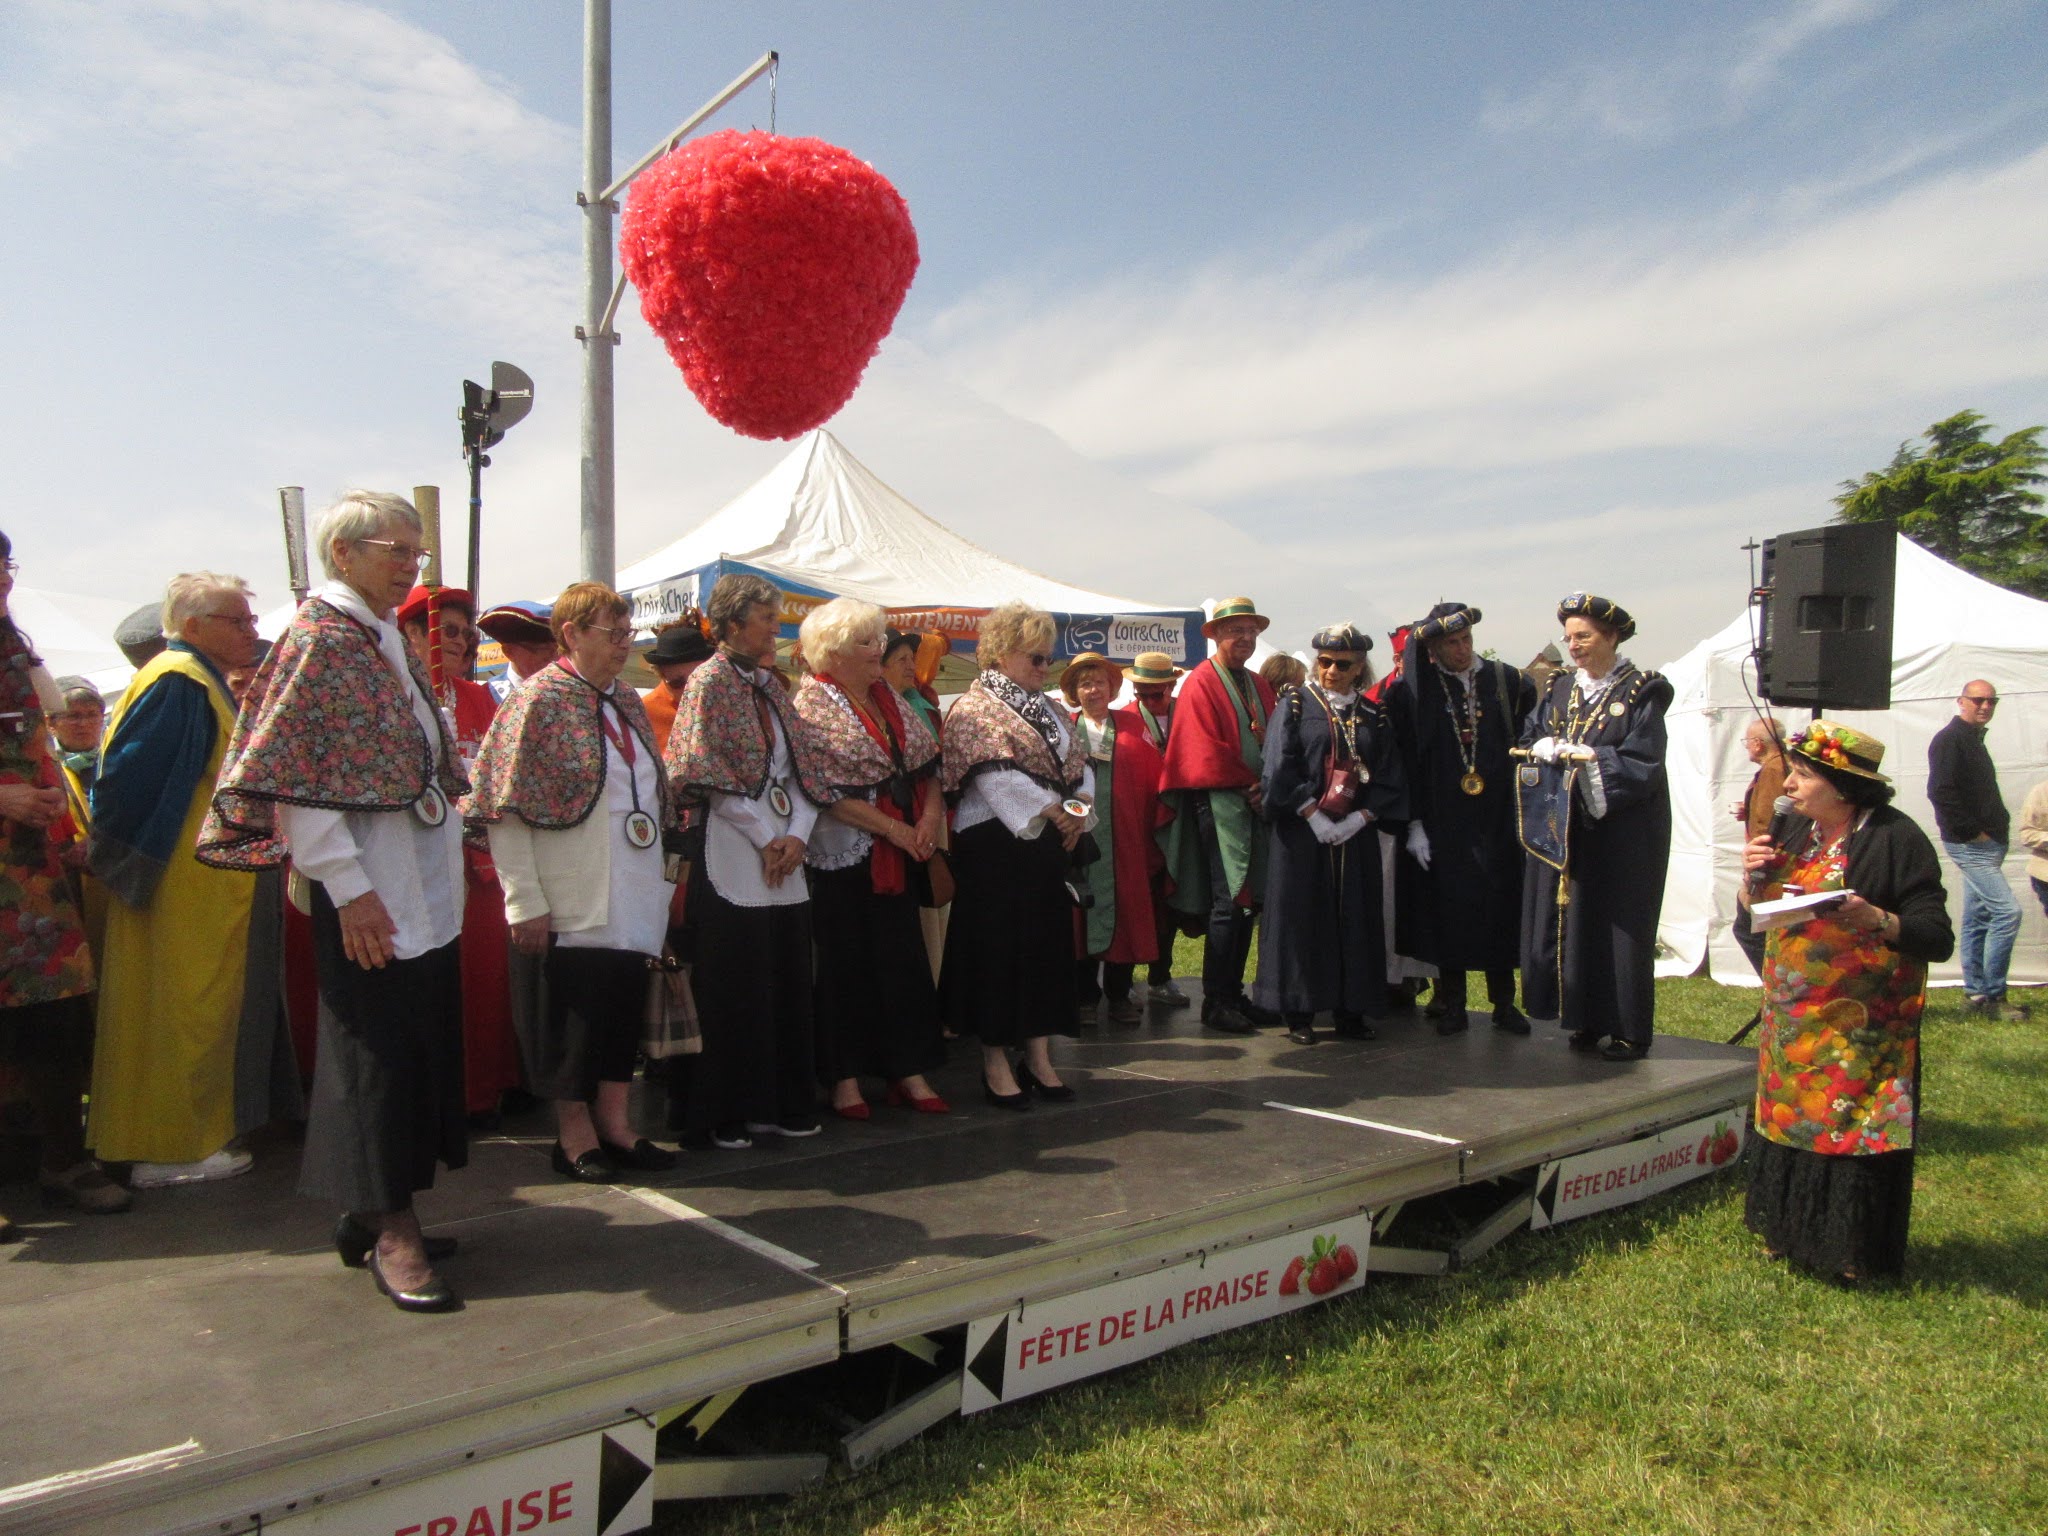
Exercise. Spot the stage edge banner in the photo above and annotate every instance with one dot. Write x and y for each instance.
(1634, 1170)
(1044, 1344)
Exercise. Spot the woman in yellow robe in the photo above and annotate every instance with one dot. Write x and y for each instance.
(177, 930)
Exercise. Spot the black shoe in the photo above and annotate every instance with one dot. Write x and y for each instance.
(1227, 1019)
(591, 1167)
(1046, 1091)
(1301, 1034)
(1349, 1026)
(434, 1296)
(1510, 1018)
(353, 1242)
(642, 1157)
(1447, 1024)
(1021, 1099)
(1584, 1040)
(1623, 1050)
(1126, 1011)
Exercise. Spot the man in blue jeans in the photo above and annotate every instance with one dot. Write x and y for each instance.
(1975, 829)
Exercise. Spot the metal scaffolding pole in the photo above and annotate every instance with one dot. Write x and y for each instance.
(600, 558)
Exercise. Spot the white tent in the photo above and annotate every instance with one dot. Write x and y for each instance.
(1948, 627)
(74, 634)
(820, 519)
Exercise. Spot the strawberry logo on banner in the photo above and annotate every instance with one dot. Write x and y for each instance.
(771, 268)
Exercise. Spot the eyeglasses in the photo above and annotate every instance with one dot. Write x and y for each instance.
(239, 620)
(455, 629)
(1336, 663)
(80, 716)
(618, 634)
(404, 554)
(12, 566)
(1038, 659)
(1989, 703)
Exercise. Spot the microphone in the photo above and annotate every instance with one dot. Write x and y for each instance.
(1781, 820)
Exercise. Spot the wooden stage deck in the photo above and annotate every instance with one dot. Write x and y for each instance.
(204, 1360)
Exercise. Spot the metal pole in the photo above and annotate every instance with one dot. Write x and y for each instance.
(600, 561)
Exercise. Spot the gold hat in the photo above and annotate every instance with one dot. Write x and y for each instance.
(1152, 667)
(1070, 679)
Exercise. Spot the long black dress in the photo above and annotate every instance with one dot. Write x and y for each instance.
(1463, 913)
(1322, 939)
(1590, 962)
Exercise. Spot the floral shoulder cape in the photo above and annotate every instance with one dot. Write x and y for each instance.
(717, 745)
(850, 759)
(325, 724)
(543, 758)
(984, 732)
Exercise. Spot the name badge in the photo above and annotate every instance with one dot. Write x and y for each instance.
(431, 807)
(640, 830)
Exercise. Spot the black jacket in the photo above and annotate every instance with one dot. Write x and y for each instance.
(1892, 865)
(1963, 785)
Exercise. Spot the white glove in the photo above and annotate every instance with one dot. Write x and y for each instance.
(1349, 827)
(1544, 750)
(1418, 843)
(1324, 829)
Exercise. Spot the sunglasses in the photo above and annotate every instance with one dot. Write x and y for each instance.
(1336, 663)
(1038, 659)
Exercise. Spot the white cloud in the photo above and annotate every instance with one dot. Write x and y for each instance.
(378, 134)
(1232, 385)
(1775, 40)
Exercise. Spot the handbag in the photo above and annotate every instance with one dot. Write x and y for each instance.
(669, 1026)
(1341, 785)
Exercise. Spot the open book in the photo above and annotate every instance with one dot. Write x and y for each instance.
(1794, 909)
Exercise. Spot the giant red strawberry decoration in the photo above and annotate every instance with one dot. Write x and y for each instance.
(771, 268)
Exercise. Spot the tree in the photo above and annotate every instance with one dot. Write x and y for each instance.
(1969, 500)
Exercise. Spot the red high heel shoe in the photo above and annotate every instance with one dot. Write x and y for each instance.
(934, 1105)
(858, 1110)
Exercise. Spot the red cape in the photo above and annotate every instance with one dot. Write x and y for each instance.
(1202, 749)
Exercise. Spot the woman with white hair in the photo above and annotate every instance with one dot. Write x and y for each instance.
(341, 761)
(175, 957)
(877, 1013)
(1020, 782)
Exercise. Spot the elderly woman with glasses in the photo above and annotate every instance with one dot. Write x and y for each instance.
(578, 809)
(175, 959)
(1331, 772)
(1022, 790)
(877, 1012)
(342, 762)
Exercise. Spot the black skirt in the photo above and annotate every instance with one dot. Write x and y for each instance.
(1008, 974)
(877, 1011)
(752, 982)
(590, 1026)
(387, 1101)
(1832, 1215)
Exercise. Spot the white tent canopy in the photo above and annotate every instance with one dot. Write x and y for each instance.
(822, 519)
(1948, 627)
(74, 634)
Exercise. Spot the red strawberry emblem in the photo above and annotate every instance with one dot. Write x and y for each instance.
(1290, 1280)
(1347, 1260)
(1706, 1146)
(1324, 1278)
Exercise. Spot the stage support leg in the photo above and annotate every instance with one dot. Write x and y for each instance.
(1509, 1218)
(907, 1420)
(727, 1477)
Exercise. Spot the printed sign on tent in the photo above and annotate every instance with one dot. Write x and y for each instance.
(1122, 636)
(1634, 1170)
(664, 601)
(1050, 1343)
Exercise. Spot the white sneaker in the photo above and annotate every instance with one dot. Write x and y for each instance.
(224, 1164)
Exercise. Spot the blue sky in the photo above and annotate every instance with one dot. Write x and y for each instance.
(1354, 306)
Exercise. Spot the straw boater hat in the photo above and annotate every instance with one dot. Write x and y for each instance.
(1080, 666)
(1153, 667)
(1842, 748)
(1601, 610)
(1235, 608)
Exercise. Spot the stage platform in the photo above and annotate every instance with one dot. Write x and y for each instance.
(204, 1363)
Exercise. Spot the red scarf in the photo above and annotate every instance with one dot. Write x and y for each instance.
(886, 864)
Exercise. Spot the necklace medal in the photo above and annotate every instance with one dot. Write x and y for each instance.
(431, 807)
(640, 830)
(778, 799)
(1472, 783)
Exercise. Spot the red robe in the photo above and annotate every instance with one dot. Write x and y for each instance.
(1202, 750)
(1136, 814)
(490, 1051)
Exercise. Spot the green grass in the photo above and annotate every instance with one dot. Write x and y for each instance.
(1641, 1371)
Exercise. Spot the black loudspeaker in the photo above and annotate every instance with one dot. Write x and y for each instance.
(1827, 617)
